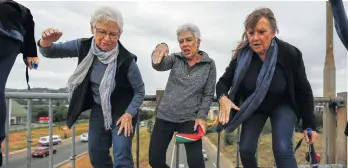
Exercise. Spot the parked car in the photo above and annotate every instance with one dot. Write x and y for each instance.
(45, 141)
(205, 155)
(42, 152)
(84, 137)
(181, 166)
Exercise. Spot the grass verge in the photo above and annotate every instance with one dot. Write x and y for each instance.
(18, 140)
(265, 153)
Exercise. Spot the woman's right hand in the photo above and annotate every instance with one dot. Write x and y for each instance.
(161, 51)
(225, 109)
(49, 36)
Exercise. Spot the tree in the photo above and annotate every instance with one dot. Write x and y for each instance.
(60, 113)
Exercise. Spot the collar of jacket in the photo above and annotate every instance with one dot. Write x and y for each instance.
(205, 56)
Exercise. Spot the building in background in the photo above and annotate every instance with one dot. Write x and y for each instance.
(17, 112)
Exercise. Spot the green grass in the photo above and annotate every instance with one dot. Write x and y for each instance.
(265, 154)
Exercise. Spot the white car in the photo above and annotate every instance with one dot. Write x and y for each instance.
(45, 141)
(181, 166)
(84, 137)
(205, 155)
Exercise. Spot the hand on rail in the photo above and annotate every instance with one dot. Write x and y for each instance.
(33, 61)
(126, 124)
(313, 138)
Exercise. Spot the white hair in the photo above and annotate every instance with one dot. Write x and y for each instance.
(189, 27)
(106, 13)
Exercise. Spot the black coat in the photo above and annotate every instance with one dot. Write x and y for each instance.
(14, 16)
(121, 97)
(299, 88)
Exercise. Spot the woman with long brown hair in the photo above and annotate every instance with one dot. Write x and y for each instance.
(265, 78)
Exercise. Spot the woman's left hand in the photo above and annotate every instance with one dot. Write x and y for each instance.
(126, 124)
(314, 137)
(30, 60)
(201, 123)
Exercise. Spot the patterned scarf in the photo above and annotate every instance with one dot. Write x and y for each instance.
(108, 82)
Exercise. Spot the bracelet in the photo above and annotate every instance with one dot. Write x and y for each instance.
(222, 96)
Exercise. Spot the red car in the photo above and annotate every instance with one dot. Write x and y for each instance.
(42, 152)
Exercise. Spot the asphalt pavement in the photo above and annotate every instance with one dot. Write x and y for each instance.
(63, 153)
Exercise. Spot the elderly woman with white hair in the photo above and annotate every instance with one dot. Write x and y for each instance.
(107, 81)
(187, 97)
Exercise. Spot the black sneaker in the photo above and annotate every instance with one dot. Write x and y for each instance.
(0, 159)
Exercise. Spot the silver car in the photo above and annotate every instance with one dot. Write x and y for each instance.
(84, 137)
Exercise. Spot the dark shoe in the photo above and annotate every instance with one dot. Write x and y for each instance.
(0, 159)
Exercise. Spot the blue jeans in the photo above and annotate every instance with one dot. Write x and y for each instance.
(101, 140)
(282, 121)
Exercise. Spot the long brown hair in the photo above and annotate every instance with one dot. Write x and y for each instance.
(251, 21)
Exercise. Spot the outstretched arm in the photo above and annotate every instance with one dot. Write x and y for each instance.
(60, 50)
(209, 90)
(160, 59)
(29, 46)
(304, 94)
(136, 80)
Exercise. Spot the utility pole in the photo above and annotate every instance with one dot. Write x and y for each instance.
(329, 90)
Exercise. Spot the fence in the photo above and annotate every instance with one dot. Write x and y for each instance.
(334, 124)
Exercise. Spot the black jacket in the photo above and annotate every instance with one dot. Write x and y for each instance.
(299, 88)
(14, 16)
(82, 98)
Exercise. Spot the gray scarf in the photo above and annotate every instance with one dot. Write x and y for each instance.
(108, 82)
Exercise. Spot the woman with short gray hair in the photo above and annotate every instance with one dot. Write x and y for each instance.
(187, 97)
(107, 81)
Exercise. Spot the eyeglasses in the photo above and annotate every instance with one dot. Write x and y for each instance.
(104, 33)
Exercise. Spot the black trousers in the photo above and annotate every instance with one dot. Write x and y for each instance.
(162, 135)
(9, 49)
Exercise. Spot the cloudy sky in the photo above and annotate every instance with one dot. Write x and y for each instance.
(149, 23)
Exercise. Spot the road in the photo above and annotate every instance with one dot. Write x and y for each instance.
(210, 163)
(63, 153)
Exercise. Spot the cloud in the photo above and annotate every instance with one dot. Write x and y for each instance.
(149, 23)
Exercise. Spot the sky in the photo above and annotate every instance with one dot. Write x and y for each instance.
(302, 24)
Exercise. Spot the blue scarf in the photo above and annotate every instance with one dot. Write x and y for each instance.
(263, 82)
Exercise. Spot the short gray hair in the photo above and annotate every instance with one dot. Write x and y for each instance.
(106, 13)
(189, 27)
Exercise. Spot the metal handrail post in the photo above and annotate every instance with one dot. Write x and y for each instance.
(29, 114)
(50, 115)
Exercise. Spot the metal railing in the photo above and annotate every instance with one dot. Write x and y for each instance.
(50, 96)
(29, 97)
(330, 104)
